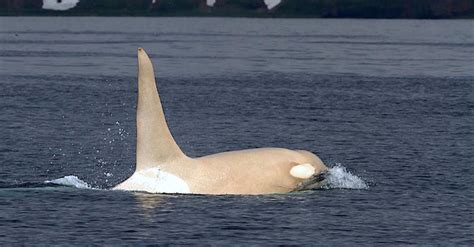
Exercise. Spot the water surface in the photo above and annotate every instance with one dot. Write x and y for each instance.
(390, 100)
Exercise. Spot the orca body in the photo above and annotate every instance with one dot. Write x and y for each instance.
(161, 166)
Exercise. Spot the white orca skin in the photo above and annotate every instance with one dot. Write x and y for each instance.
(161, 166)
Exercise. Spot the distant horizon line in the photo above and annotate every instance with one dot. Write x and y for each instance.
(249, 17)
(356, 9)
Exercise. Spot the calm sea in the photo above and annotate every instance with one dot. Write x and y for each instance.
(388, 104)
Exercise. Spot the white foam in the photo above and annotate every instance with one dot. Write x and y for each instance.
(340, 178)
(71, 181)
(154, 180)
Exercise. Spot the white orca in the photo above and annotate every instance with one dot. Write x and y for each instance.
(161, 166)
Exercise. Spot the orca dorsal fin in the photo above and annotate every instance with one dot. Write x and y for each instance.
(155, 144)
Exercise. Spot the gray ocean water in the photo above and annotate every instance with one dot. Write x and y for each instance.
(388, 104)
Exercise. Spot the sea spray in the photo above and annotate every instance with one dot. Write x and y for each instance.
(338, 177)
(71, 181)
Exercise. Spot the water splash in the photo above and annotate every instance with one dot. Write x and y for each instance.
(71, 181)
(340, 178)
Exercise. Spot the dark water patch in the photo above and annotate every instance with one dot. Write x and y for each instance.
(28, 185)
